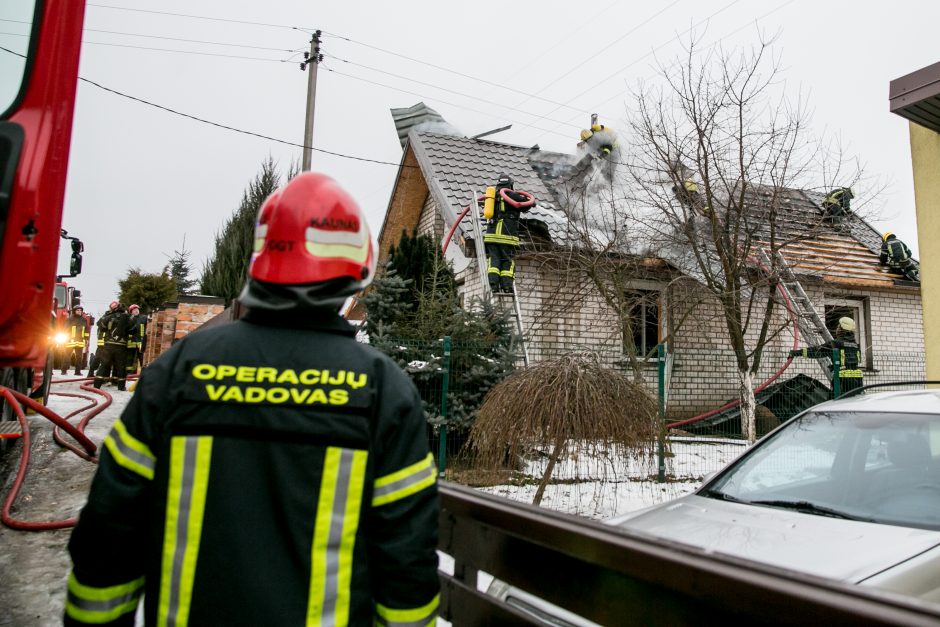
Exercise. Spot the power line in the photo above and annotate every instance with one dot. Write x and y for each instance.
(192, 41)
(195, 52)
(457, 93)
(433, 99)
(195, 17)
(445, 69)
(223, 126)
(607, 47)
(651, 52)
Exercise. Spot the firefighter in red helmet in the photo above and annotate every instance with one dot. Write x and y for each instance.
(270, 471)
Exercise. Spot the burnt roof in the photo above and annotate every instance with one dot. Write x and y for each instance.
(458, 168)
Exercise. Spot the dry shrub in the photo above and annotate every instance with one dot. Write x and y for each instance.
(557, 402)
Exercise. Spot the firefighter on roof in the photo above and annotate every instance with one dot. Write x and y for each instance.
(502, 232)
(896, 255)
(837, 204)
(273, 470)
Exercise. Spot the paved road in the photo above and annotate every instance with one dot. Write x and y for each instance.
(34, 566)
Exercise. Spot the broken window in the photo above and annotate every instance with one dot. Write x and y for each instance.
(644, 317)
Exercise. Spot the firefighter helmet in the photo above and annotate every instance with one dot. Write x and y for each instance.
(114, 305)
(134, 306)
(884, 238)
(78, 308)
(504, 181)
(311, 231)
(846, 323)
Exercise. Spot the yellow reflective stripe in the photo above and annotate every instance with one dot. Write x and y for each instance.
(93, 605)
(190, 463)
(423, 615)
(321, 536)
(404, 482)
(334, 536)
(357, 480)
(130, 452)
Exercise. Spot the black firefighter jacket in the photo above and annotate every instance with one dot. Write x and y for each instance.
(503, 228)
(270, 471)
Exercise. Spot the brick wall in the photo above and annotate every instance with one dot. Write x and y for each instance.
(175, 320)
(562, 311)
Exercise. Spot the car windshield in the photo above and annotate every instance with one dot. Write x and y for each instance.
(876, 467)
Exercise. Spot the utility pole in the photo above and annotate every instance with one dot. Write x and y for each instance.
(311, 61)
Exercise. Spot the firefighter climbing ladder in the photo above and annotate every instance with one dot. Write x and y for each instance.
(475, 220)
(811, 325)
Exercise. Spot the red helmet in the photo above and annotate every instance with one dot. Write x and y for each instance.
(134, 306)
(312, 231)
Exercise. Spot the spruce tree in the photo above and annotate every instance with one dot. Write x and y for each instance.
(408, 324)
(225, 273)
(179, 270)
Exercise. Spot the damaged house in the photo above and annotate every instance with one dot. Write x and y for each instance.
(585, 281)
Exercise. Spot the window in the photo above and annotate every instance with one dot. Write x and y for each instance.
(19, 13)
(857, 310)
(644, 317)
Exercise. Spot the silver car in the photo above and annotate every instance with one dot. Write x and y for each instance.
(849, 490)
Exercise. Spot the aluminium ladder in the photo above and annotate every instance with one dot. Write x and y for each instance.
(808, 320)
(475, 219)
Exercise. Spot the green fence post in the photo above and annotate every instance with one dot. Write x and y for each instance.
(836, 366)
(445, 381)
(660, 448)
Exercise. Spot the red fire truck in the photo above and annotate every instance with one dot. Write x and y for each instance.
(37, 98)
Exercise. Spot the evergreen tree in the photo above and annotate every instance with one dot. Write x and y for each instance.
(179, 270)
(147, 290)
(225, 273)
(408, 324)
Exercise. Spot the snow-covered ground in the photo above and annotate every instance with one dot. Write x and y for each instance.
(604, 484)
(34, 565)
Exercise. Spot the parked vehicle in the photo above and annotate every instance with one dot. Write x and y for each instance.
(848, 490)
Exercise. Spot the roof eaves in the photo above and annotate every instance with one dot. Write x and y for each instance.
(437, 192)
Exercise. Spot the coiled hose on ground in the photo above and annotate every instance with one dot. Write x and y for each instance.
(86, 450)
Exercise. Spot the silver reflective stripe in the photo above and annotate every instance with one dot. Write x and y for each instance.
(403, 484)
(103, 606)
(339, 505)
(186, 495)
(337, 518)
(182, 528)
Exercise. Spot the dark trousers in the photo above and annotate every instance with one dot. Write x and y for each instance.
(75, 357)
(502, 268)
(847, 384)
(112, 365)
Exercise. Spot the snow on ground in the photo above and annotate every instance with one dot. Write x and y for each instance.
(34, 568)
(603, 484)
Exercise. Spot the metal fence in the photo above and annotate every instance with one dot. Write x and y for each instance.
(697, 392)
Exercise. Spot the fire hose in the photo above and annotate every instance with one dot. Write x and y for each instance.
(86, 450)
(765, 384)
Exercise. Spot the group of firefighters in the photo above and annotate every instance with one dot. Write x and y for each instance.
(121, 338)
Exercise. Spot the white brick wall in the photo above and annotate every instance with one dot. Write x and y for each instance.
(563, 312)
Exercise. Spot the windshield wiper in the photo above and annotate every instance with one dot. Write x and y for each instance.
(806, 507)
(718, 494)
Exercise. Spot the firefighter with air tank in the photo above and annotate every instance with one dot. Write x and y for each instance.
(273, 470)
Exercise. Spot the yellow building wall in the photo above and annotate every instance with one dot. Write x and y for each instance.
(925, 153)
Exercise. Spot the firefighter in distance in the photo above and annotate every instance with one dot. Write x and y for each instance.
(270, 471)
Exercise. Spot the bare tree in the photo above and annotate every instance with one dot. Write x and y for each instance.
(715, 159)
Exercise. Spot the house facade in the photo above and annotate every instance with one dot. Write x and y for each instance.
(564, 310)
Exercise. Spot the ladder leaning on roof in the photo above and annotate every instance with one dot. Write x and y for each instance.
(808, 320)
(476, 219)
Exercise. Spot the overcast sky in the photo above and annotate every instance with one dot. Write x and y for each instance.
(141, 179)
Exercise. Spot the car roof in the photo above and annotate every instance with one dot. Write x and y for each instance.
(902, 402)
